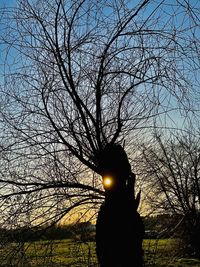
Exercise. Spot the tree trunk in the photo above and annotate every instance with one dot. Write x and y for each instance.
(119, 228)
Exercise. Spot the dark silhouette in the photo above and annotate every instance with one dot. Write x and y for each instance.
(119, 229)
(191, 233)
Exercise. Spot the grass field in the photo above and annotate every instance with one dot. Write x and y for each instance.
(158, 253)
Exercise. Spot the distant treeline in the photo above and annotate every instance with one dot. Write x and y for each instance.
(161, 226)
(164, 225)
(27, 234)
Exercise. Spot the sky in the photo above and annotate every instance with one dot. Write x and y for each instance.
(12, 3)
(7, 3)
(4, 4)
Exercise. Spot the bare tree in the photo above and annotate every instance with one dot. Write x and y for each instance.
(80, 75)
(172, 173)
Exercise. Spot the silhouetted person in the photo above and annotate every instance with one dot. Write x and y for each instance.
(119, 228)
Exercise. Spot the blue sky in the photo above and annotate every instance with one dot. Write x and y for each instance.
(7, 3)
(4, 4)
(12, 3)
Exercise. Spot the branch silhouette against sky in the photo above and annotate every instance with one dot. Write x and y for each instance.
(77, 75)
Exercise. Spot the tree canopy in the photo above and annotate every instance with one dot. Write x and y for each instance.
(78, 75)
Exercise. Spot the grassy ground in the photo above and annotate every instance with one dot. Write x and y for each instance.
(158, 253)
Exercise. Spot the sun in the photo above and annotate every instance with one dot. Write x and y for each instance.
(107, 181)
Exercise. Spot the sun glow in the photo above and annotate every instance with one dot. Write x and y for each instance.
(107, 181)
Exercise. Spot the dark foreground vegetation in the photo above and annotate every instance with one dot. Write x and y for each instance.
(70, 252)
(74, 245)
